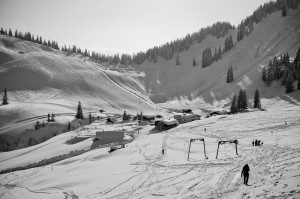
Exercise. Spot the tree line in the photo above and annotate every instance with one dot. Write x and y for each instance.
(166, 51)
(281, 68)
(246, 25)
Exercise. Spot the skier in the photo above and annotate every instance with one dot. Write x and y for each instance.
(245, 173)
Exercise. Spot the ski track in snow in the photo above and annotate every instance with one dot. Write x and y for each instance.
(122, 87)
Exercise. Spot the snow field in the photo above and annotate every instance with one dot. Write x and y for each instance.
(141, 171)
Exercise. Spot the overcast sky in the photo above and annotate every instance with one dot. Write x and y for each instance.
(110, 26)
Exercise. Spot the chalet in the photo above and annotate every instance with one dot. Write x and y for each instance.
(165, 124)
(148, 117)
(184, 117)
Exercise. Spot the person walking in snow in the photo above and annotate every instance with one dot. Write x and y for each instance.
(245, 173)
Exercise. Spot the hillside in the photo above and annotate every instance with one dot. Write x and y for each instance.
(41, 80)
(274, 34)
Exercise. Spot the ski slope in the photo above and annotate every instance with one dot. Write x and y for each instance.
(141, 171)
(41, 80)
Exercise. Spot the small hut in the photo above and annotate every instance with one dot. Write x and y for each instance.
(166, 124)
(148, 117)
(184, 117)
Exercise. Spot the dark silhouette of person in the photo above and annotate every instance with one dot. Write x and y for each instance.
(245, 173)
(253, 143)
(258, 143)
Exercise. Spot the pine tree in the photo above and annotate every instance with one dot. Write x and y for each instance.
(264, 74)
(177, 60)
(48, 116)
(90, 118)
(16, 34)
(194, 62)
(245, 101)
(79, 114)
(257, 99)
(5, 100)
(234, 105)
(269, 76)
(125, 116)
(69, 126)
(284, 8)
(230, 75)
(240, 100)
(10, 33)
(289, 86)
(207, 58)
(219, 52)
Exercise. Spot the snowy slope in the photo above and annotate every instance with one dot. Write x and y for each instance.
(141, 171)
(274, 34)
(41, 80)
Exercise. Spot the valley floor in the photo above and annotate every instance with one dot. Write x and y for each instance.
(140, 170)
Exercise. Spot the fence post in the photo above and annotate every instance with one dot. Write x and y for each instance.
(218, 150)
(204, 148)
(189, 150)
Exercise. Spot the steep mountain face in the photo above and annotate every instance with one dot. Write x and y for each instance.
(274, 34)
